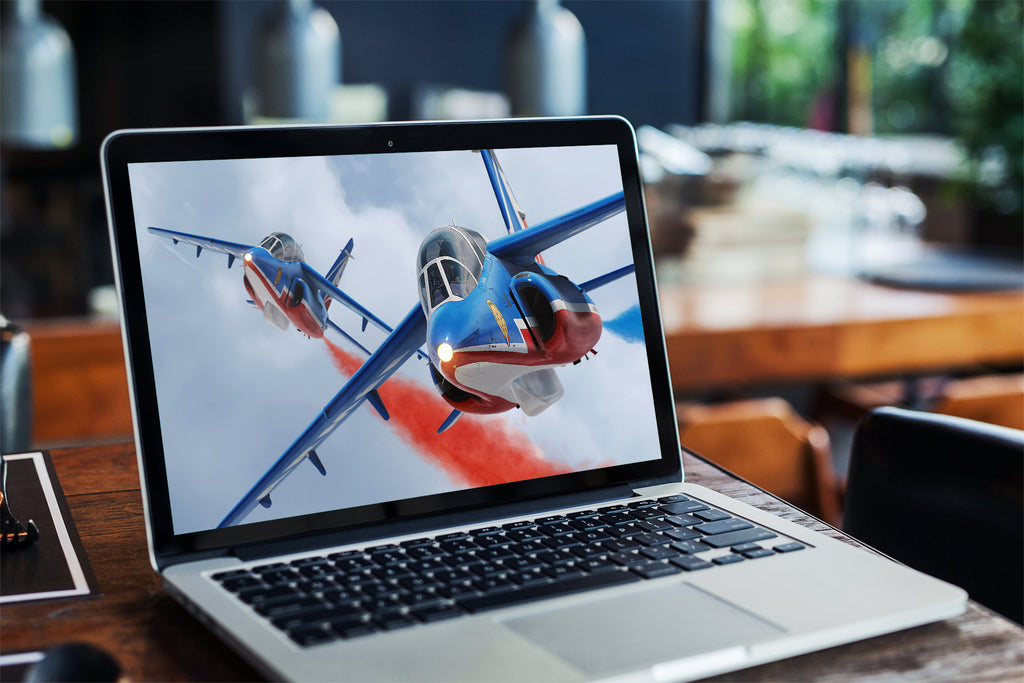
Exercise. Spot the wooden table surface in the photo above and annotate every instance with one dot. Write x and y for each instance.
(155, 639)
(822, 327)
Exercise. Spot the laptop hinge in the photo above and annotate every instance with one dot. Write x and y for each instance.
(479, 516)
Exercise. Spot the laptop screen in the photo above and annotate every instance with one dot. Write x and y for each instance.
(360, 334)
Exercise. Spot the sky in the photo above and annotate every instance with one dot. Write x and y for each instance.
(234, 391)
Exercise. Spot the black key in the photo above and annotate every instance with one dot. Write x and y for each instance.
(563, 571)
(677, 498)
(315, 616)
(592, 536)
(393, 622)
(311, 635)
(556, 528)
(690, 563)
(789, 547)
(491, 540)
(659, 552)
(586, 523)
(458, 545)
(689, 547)
(495, 554)
(745, 547)
(760, 552)
(528, 578)
(636, 504)
(546, 590)
(417, 542)
(737, 537)
(728, 559)
(424, 552)
(581, 513)
(280, 608)
(622, 517)
(682, 520)
(556, 542)
(550, 519)
(437, 612)
(683, 507)
(232, 574)
(521, 524)
(683, 534)
(647, 513)
(553, 557)
(280, 576)
(723, 526)
(353, 628)
(521, 563)
(619, 544)
(485, 531)
(711, 515)
(454, 536)
(623, 530)
(528, 547)
(652, 570)
(649, 539)
(258, 597)
(596, 565)
(653, 525)
(612, 508)
(354, 563)
(240, 583)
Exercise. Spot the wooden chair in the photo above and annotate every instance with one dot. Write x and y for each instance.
(767, 443)
(995, 399)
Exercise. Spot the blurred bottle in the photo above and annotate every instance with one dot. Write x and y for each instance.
(298, 63)
(38, 95)
(546, 63)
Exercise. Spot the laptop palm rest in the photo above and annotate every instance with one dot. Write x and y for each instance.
(642, 628)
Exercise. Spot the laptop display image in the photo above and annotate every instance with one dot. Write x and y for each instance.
(543, 356)
(403, 412)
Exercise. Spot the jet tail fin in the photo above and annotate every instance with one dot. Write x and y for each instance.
(334, 274)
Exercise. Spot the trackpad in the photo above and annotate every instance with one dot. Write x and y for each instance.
(626, 632)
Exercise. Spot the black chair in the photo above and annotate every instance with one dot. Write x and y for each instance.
(943, 495)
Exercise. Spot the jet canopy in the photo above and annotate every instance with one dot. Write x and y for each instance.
(450, 262)
(282, 246)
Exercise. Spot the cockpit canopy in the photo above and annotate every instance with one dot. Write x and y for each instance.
(282, 246)
(450, 262)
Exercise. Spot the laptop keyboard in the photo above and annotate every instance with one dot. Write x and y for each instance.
(391, 586)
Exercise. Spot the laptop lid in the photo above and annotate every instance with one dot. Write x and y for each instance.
(339, 333)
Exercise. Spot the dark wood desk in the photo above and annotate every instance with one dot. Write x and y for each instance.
(819, 328)
(154, 639)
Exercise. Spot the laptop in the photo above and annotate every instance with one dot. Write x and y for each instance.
(402, 411)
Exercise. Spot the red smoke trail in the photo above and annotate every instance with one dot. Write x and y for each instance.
(469, 451)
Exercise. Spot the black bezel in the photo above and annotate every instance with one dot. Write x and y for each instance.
(125, 147)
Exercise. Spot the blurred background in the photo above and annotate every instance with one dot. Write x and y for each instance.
(834, 186)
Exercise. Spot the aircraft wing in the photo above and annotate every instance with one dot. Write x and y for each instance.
(523, 246)
(403, 342)
(317, 281)
(232, 249)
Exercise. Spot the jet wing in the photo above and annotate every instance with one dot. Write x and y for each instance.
(522, 247)
(232, 249)
(402, 343)
(318, 282)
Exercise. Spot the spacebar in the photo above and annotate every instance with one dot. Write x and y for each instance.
(546, 590)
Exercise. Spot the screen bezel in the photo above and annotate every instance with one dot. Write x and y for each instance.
(127, 147)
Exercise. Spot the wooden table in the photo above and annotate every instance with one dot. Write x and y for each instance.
(155, 639)
(819, 327)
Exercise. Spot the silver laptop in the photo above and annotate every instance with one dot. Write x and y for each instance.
(402, 412)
